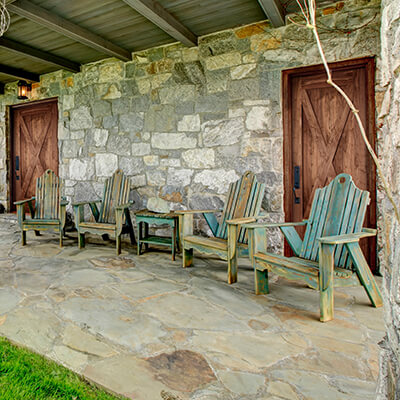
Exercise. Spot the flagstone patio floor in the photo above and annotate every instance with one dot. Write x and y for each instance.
(146, 328)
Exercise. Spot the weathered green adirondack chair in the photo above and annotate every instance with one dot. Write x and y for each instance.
(113, 217)
(330, 254)
(230, 240)
(49, 211)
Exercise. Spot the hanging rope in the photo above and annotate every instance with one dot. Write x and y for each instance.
(4, 17)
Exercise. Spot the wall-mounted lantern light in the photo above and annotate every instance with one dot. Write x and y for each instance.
(23, 89)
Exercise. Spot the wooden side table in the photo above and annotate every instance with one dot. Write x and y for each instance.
(144, 218)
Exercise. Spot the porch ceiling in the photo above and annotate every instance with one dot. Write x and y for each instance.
(46, 35)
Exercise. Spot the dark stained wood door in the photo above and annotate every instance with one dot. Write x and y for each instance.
(322, 137)
(34, 145)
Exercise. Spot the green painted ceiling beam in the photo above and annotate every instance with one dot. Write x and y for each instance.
(159, 16)
(40, 15)
(274, 11)
(19, 73)
(39, 55)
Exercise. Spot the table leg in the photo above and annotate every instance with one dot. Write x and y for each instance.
(139, 235)
(146, 234)
(178, 235)
(174, 241)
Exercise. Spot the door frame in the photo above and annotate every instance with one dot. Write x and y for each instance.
(287, 75)
(11, 163)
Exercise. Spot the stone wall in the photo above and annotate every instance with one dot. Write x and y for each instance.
(184, 122)
(389, 121)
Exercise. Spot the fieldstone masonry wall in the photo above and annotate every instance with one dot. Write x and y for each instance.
(389, 121)
(184, 122)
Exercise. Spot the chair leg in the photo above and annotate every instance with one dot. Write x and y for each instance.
(81, 240)
(23, 237)
(325, 281)
(261, 281)
(132, 236)
(37, 233)
(118, 244)
(364, 274)
(232, 269)
(326, 304)
(130, 227)
(187, 257)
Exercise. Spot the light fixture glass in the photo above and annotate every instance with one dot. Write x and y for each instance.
(23, 89)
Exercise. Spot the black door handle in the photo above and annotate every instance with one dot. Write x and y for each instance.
(296, 199)
(296, 183)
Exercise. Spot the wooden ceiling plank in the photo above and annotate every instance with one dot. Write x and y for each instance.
(154, 12)
(274, 11)
(39, 55)
(56, 23)
(19, 73)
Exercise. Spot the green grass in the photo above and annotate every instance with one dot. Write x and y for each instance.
(25, 375)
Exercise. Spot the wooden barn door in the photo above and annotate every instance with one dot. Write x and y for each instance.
(322, 138)
(34, 145)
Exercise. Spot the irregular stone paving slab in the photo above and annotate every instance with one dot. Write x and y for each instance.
(70, 358)
(251, 352)
(348, 331)
(5, 264)
(89, 252)
(315, 386)
(127, 375)
(355, 387)
(363, 315)
(7, 278)
(146, 289)
(87, 277)
(45, 250)
(9, 299)
(189, 312)
(241, 383)
(38, 265)
(32, 328)
(33, 283)
(114, 320)
(337, 346)
(79, 340)
(335, 364)
(166, 271)
(283, 390)
(113, 262)
(236, 302)
(131, 275)
(182, 370)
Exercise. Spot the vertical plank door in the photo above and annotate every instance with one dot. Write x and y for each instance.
(322, 138)
(34, 145)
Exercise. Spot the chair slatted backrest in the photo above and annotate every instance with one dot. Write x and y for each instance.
(244, 200)
(48, 196)
(338, 208)
(116, 192)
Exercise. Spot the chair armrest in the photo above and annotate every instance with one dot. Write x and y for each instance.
(196, 211)
(64, 203)
(123, 206)
(240, 221)
(82, 203)
(275, 224)
(348, 237)
(17, 203)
